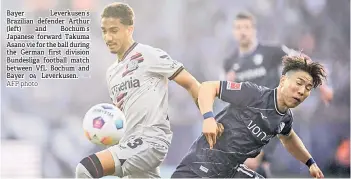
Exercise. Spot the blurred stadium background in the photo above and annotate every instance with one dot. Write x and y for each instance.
(41, 133)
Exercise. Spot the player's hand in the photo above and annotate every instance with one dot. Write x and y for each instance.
(209, 129)
(326, 94)
(220, 129)
(315, 171)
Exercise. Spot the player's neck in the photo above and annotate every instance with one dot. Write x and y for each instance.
(124, 49)
(248, 48)
(280, 102)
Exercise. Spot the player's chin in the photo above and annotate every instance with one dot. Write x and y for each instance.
(244, 43)
(293, 104)
(114, 51)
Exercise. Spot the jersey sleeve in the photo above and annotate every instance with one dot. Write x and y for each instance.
(288, 125)
(239, 94)
(163, 64)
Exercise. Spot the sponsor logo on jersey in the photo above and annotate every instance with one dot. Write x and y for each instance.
(125, 85)
(236, 66)
(250, 74)
(258, 132)
(257, 59)
(233, 86)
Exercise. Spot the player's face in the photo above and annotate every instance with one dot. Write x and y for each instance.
(244, 31)
(115, 34)
(296, 87)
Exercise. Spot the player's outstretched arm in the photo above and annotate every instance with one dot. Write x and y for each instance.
(207, 94)
(295, 147)
(188, 81)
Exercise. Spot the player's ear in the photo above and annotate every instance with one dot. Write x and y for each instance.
(130, 30)
(282, 80)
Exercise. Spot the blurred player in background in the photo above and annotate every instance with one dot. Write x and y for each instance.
(261, 64)
(138, 85)
(256, 114)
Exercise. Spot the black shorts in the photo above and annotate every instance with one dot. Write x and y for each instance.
(240, 171)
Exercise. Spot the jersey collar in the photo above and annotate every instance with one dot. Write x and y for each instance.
(254, 48)
(276, 103)
(129, 50)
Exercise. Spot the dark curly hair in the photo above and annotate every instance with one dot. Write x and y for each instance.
(304, 63)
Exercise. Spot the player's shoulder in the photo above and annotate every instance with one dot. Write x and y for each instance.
(150, 51)
(256, 87)
(151, 54)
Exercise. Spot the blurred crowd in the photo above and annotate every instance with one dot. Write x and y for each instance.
(198, 34)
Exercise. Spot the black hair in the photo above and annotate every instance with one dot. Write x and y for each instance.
(304, 63)
(121, 11)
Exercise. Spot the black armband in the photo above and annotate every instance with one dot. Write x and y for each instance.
(310, 162)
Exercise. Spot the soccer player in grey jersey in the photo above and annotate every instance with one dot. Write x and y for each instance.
(255, 115)
(138, 85)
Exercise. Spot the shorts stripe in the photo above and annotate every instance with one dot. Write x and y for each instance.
(91, 160)
(243, 168)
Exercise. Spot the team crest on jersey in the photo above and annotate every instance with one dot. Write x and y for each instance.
(281, 127)
(233, 85)
(258, 58)
(236, 66)
(133, 64)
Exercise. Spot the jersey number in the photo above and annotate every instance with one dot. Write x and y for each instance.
(135, 143)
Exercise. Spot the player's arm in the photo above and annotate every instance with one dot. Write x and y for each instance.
(187, 81)
(231, 92)
(294, 145)
(239, 94)
(296, 148)
(207, 94)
